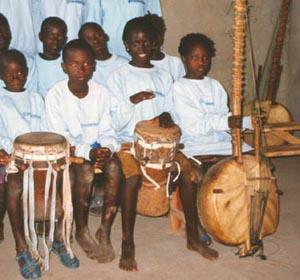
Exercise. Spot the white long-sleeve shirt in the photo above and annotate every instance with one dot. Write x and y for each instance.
(112, 15)
(172, 64)
(20, 112)
(83, 121)
(49, 72)
(202, 113)
(129, 80)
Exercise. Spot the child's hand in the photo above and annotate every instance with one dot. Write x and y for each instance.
(165, 120)
(141, 96)
(99, 156)
(235, 121)
(3, 157)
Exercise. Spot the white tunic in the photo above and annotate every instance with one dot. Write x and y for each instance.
(49, 72)
(172, 64)
(202, 111)
(83, 121)
(18, 14)
(112, 15)
(21, 112)
(129, 80)
(105, 67)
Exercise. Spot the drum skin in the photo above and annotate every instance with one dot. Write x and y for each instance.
(224, 201)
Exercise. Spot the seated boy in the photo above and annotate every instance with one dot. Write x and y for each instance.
(5, 39)
(201, 102)
(78, 108)
(141, 91)
(106, 62)
(160, 58)
(21, 112)
(53, 36)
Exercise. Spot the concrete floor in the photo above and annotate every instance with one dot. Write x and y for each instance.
(162, 254)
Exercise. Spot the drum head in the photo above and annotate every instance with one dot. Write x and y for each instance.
(40, 139)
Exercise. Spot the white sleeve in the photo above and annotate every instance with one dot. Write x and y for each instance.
(5, 141)
(154, 7)
(193, 119)
(122, 110)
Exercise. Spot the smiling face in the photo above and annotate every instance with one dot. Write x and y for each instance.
(14, 75)
(79, 64)
(53, 37)
(197, 62)
(139, 45)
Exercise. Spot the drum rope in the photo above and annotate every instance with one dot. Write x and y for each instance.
(67, 205)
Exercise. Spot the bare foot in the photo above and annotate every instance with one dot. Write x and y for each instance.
(127, 261)
(202, 249)
(107, 253)
(88, 244)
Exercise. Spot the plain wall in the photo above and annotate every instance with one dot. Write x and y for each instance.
(215, 19)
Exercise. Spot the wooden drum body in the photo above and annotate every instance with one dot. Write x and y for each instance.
(39, 151)
(235, 207)
(155, 149)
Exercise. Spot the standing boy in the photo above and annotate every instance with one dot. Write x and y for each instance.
(53, 35)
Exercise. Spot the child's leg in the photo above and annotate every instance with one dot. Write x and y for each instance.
(113, 175)
(29, 268)
(129, 194)
(2, 210)
(187, 191)
(82, 176)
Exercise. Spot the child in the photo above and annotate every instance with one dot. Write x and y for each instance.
(161, 59)
(113, 15)
(141, 91)
(53, 36)
(201, 102)
(78, 108)
(5, 39)
(21, 112)
(106, 62)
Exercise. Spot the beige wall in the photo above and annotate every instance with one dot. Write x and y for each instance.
(215, 19)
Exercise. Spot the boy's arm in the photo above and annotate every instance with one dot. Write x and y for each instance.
(194, 118)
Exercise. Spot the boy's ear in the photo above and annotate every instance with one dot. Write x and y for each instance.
(40, 36)
(183, 59)
(64, 68)
(106, 37)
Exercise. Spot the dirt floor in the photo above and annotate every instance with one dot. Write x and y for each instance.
(162, 254)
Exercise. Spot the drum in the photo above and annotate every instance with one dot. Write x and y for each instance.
(41, 159)
(155, 148)
(238, 203)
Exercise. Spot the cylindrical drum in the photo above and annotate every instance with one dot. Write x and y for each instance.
(155, 148)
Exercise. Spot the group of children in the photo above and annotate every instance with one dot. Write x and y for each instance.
(95, 98)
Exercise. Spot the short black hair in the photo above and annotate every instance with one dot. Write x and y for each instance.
(12, 55)
(53, 21)
(193, 39)
(4, 21)
(157, 22)
(88, 25)
(77, 44)
(138, 23)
